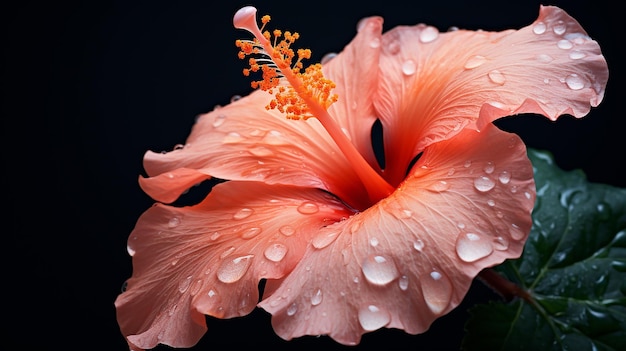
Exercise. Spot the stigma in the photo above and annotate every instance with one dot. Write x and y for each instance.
(270, 53)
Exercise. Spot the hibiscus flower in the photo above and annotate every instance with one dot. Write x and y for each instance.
(348, 243)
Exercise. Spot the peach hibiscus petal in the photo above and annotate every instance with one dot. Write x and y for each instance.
(167, 187)
(209, 258)
(244, 141)
(434, 84)
(411, 258)
(354, 110)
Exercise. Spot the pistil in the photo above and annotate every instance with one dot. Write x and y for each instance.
(308, 94)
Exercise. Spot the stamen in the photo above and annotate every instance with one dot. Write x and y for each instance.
(305, 93)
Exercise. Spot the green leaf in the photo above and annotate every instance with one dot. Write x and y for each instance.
(573, 268)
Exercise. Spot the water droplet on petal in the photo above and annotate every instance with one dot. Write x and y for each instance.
(316, 299)
(409, 67)
(379, 270)
(326, 58)
(489, 167)
(539, 28)
(497, 77)
(545, 58)
(418, 245)
(292, 309)
(219, 120)
(232, 138)
(286, 230)
(227, 252)
(243, 213)
(471, 247)
(374, 242)
(439, 186)
(275, 252)
(575, 82)
(232, 270)
(372, 317)
(174, 222)
(484, 183)
(504, 177)
(576, 55)
(501, 243)
(475, 61)
(308, 208)
(235, 98)
(437, 290)
(516, 232)
(428, 34)
(564, 44)
(491, 203)
(184, 284)
(261, 151)
(403, 282)
(375, 43)
(559, 27)
(251, 232)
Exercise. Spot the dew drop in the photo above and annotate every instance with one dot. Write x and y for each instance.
(275, 252)
(308, 208)
(184, 284)
(497, 77)
(243, 213)
(471, 247)
(545, 58)
(439, 186)
(484, 183)
(516, 232)
(227, 252)
(491, 203)
(559, 28)
(251, 232)
(232, 270)
(196, 287)
(489, 167)
(576, 55)
(428, 34)
(375, 43)
(378, 270)
(418, 245)
(393, 47)
(475, 61)
(574, 82)
(274, 137)
(316, 299)
(326, 58)
(261, 151)
(374, 242)
(564, 44)
(219, 120)
(467, 164)
(292, 309)
(232, 138)
(372, 317)
(437, 290)
(409, 67)
(539, 28)
(501, 243)
(235, 98)
(173, 222)
(287, 230)
(403, 282)
(504, 177)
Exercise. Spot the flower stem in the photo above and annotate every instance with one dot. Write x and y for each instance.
(505, 288)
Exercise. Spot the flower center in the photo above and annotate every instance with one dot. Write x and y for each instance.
(297, 93)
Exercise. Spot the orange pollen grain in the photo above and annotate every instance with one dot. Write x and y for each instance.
(274, 65)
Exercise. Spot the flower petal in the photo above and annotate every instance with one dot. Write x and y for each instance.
(433, 84)
(354, 110)
(209, 258)
(244, 141)
(412, 257)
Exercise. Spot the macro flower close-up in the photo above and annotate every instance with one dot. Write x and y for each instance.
(363, 192)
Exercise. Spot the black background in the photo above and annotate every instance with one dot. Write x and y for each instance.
(88, 87)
